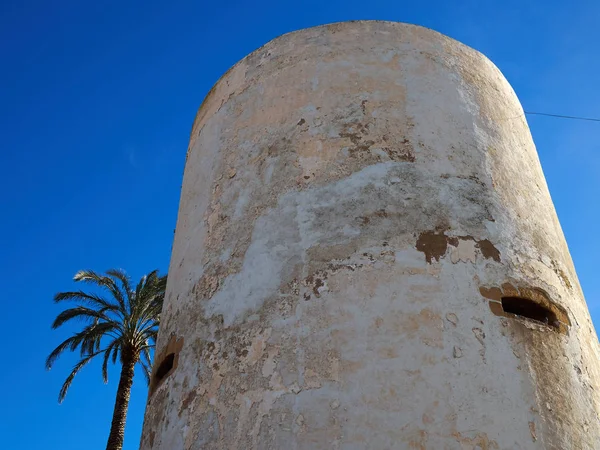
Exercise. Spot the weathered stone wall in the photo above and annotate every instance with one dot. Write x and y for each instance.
(357, 200)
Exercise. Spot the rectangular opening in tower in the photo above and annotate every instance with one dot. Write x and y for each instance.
(530, 310)
(162, 371)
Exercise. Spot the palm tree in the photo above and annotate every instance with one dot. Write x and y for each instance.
(122, 325)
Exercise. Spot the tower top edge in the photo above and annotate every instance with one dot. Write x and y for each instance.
(345, 26)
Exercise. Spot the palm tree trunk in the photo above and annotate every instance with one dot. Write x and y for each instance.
(117, 427)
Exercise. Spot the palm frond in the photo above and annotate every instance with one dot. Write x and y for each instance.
(145, 355)
(148, 288)
(85, 298)
(123, 278)
(69, 380)
(147, 372)
(148, 303)
(114, 344)
(79, 312)
(88, 339)
(89, 276)
(67, 343)
(142, 283)
(93, 335)
(115, 354)
(145, 332)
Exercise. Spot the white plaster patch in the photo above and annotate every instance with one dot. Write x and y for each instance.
(241, 203)
(465, 252)
(269, 170)
(283, 234)
(225, 255)
(270, 363)
(349, 230)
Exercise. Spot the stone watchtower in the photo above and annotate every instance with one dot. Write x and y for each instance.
(367, 257)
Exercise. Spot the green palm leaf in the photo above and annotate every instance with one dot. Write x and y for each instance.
(69, 380)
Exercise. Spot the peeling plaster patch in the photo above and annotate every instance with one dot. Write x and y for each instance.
(488, 250)
(532, 430)
(187, 401)
(480, 441)
(492, 293)
(209, 283)
(452, 318)
(317, 283)
(561, 274)
(426, 325)
(270, 364)
(312, 380)
(480, 335)
(257, 348)
(434, 245)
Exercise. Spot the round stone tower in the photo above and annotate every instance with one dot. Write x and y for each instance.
(367, 257)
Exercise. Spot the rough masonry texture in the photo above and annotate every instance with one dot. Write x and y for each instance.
(367, 257)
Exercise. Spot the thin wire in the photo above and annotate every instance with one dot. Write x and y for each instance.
(563, 117)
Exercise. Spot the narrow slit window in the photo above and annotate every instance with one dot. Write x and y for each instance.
(528, 309)
(165, 367)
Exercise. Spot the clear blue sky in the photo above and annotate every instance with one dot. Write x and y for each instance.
(96, 104)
